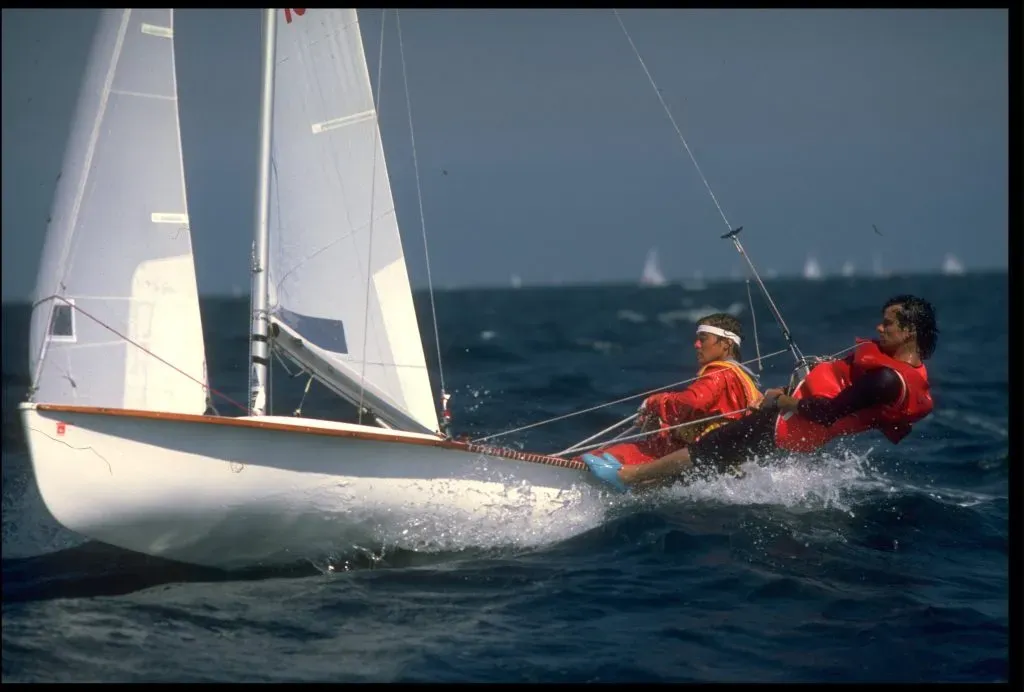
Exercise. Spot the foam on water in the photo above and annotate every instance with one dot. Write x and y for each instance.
(837, 481)
(510, 519)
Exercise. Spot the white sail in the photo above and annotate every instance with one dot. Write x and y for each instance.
(951, 266)
(848, 269)
(337, 268)
(116, 319)
(652, 275)
(812, 270)
(876, 267)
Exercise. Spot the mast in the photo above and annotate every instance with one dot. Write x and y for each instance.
(258, 347)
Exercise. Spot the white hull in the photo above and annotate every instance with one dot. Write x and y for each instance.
(231, 492)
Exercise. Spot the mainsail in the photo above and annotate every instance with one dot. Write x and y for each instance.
(337, 268)
(116, 318)
(652, 275)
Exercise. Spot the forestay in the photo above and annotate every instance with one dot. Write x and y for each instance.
(117, 262)
(337, 269)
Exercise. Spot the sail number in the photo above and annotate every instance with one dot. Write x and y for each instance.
(288, 15)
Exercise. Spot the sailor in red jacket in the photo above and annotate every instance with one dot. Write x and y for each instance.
(723, 387)
(882, 385)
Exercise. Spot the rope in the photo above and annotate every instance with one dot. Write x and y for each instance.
(142, 348)
(668, 112)
(797, 354)
(610, 403)
(753, 318)
(373, 185)
(580, 448)
(634, 396)
(602, 432)
(419, 198)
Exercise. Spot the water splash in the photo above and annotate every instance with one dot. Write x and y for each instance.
(837, 481)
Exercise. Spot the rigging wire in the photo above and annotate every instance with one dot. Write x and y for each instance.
(753, 318)
(668, 112)
(204, 385)
(609, 403)
(622, 437)
(731, 233)
(419, 199)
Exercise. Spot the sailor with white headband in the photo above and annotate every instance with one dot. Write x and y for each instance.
(722, 390)
(718, 331)
(881, 386)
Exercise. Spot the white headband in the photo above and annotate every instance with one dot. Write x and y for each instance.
(719, 332)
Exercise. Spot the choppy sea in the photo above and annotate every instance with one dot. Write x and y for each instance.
(869, 562)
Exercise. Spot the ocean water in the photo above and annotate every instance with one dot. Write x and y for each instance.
(869, 562)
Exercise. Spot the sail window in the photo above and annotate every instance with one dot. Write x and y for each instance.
(62, 322)
(325, 333)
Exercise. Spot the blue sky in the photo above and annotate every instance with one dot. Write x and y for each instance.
(810, 125)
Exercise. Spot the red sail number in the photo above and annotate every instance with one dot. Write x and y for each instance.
(288, 15)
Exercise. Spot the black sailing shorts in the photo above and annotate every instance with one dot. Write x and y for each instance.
(725, 448)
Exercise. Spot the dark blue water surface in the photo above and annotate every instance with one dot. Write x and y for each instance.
(866, 563)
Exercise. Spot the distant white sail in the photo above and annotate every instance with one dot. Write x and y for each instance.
(876, 267)
(652, 275)
(848, 269)
(118, 249)
(951, 266)
(812, 270)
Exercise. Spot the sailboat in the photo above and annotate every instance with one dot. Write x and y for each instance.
(126, 446)
(951, 266)
(848, 269)
(651, 275)
(812, 270)
(877, 269)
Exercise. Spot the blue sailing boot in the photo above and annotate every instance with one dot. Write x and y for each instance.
(606, 468)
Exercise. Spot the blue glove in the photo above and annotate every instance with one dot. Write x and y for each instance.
(606, 468)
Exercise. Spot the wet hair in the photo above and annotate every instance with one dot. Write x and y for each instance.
(724, 320)
(917, 315)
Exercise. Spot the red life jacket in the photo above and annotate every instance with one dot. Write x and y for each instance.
(795, 433)
(721, 387)
(731, 398)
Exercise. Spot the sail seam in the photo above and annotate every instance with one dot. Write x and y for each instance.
(126, 92)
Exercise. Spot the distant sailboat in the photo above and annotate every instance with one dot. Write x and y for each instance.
(848, 269)
(876, 267)
(652, 275)
(812, 270)
(951, 266)
(516, 281)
